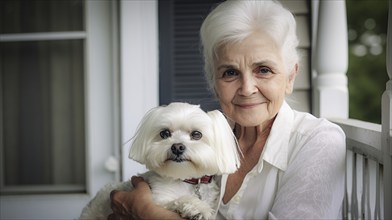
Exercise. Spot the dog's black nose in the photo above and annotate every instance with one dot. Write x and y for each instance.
(178, 149)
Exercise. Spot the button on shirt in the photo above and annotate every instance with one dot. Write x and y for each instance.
(300, 173)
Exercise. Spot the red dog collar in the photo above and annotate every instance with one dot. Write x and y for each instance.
(203, 179)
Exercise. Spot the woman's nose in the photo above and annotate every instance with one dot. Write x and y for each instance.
(248, 86)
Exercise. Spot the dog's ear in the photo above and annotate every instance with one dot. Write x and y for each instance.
(225, 143)
(143, 136)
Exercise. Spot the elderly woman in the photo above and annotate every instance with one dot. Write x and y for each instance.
(293, 163)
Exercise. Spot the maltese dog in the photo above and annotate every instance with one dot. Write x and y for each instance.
(184, 148)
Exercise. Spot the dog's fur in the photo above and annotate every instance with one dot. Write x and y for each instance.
(178, 142)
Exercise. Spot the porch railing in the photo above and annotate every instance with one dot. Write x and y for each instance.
(369, 153)
(364, 198)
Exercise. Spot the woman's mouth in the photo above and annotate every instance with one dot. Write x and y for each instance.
(248, 105)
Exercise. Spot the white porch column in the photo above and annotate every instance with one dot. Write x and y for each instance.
(386, 121)
(330, 92)
(139, 71)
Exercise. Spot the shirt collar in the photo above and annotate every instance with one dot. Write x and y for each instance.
(276, 147)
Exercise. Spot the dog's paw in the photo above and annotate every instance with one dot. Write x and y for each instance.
(191, 207)
(195, 217)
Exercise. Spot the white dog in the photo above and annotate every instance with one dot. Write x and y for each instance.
(184, 148)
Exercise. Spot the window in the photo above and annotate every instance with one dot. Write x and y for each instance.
(180, 59)
(42, 96)
(75, 57)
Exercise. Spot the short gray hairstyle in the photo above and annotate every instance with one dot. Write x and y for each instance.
(234, 20)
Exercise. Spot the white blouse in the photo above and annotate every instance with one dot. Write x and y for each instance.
(300, 174)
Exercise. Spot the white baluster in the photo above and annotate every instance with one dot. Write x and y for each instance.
(377, 214)
(349, 185)
(372, 189)
(354, 200)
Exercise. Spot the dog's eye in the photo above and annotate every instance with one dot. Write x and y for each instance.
(196, 135)
(165, 134)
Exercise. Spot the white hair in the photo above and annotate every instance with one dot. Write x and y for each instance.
(234, 20)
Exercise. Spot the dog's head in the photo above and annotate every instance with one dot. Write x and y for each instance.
(182, 141)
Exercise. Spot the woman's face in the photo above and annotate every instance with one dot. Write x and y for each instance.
(251, 80)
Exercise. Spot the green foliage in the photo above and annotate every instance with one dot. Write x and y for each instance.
(367, 75)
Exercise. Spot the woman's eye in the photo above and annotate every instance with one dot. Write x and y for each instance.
(165, 134)
(263, 70)
(229, 73)
(196, 135)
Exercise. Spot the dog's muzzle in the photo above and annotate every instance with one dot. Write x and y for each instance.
(176, 153)
(178, 149)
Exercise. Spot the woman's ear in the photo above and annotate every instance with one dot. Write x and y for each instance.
(290, 82)
(216, 93)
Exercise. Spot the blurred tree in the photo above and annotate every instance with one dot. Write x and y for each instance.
(367, 28)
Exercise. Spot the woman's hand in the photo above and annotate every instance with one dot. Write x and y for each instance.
(137, 204)
(126, 204)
